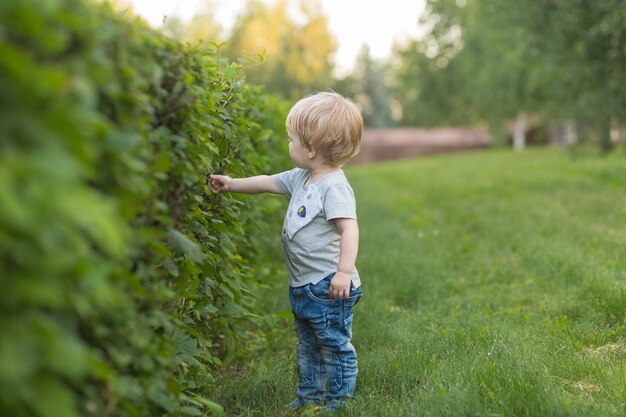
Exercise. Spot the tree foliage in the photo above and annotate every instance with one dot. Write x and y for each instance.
(289, 58)
(122, 275)
(486, 61)
(368, 87)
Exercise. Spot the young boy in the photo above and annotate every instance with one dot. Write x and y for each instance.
(320, 238)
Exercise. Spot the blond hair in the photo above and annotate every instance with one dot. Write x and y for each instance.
(328, 123)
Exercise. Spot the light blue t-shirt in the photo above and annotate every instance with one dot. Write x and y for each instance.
(310, 237)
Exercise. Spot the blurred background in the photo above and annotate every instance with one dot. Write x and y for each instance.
(501, 72)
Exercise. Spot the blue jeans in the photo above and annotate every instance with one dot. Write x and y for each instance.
(324, 351)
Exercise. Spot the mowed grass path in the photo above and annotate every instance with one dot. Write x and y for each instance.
(494, 285)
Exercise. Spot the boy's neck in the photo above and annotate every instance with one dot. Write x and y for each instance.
(320, 170)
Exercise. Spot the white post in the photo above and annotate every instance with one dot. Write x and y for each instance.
(519, 132)
(570, 135)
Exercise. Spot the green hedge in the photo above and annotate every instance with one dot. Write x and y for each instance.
(121, 274)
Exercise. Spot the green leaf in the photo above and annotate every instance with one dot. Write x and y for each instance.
(182, 245)
(51, 398)
(185, 344)
(210, 405)
(189, 411)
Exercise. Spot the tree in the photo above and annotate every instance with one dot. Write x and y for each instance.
(431, 92)
(174, 27)
(289, 58)
(202, 28)
(367, 86)
(470, 68)
(587, 55)
(505, 59)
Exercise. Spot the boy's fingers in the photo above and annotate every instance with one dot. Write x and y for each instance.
(339, 293)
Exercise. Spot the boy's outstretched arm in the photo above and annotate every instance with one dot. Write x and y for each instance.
(348, 250)
(250, 185)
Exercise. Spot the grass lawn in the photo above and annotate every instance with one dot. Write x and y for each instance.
(494, 285)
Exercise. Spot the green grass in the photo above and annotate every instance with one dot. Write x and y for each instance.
(494, 285)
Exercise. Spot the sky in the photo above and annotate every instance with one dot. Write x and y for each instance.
(376, 23)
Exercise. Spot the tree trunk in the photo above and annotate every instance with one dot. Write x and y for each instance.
(606, 143)
(519, 132)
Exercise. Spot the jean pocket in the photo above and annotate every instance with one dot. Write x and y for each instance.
(355, 296)
(319, 291)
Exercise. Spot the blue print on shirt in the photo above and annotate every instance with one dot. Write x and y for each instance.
(302, 212)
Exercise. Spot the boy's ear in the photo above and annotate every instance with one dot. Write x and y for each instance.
(311, 153)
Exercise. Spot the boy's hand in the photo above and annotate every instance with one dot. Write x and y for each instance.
(340, 286)
(220, 183)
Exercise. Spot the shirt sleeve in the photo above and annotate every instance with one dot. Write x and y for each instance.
(339, 202)
(285, 181)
